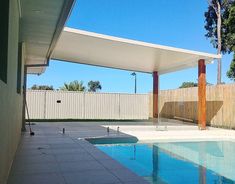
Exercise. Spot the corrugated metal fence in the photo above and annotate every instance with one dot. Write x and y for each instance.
(83, 105)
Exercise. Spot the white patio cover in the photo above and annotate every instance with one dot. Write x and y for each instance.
(101, 50)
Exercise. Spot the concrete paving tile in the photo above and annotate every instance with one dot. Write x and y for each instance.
(36, 137)
(66, 157)
(90, 177)
(35, 168)
(34, 159)
(111, 164)
(60, 141)
(74, 157)
(33, 146)
(137, 182)
(30, 141)
(86, 144)
(99, 155)
(60, 145)
(68, 151)
(34, 151)
(80, 166)
(125, 175)
(45, 178)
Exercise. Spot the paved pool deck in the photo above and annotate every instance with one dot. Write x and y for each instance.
(51, 157)
(185, 133)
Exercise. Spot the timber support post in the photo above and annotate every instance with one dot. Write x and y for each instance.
(201, 94)
(155, 94)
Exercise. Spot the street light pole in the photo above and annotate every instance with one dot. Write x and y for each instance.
(134, 74)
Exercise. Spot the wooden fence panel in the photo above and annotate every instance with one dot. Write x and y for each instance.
(182, 104)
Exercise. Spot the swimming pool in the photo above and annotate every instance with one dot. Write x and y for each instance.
(188, 162)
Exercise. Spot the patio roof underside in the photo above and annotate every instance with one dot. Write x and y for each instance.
(107, 51)
(41, 23)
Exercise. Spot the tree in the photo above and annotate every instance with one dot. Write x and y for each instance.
(41, 87)
(230, 25)
(229, 20)
(73, 86)
(192, 84)
(231, 72)
(94, 86)
(188, 85)
(215, 15)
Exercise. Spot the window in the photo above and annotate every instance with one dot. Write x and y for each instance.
(19, 69)
(4, 19)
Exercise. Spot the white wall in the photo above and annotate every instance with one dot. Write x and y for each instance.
(10, 100)
(79, 105)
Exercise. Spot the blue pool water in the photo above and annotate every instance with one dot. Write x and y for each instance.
(173, 163)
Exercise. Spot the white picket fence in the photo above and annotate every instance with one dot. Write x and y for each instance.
(84, 105)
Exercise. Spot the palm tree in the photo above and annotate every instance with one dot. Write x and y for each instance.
(94, 86)
(73, 86)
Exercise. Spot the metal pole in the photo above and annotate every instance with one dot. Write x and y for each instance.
(23, 129)
(134, 74)
(158, 104)
(135, 83)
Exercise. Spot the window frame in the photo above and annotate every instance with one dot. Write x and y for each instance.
(4, 32)
(19, 68)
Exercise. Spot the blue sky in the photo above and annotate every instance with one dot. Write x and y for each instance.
(177, 23)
